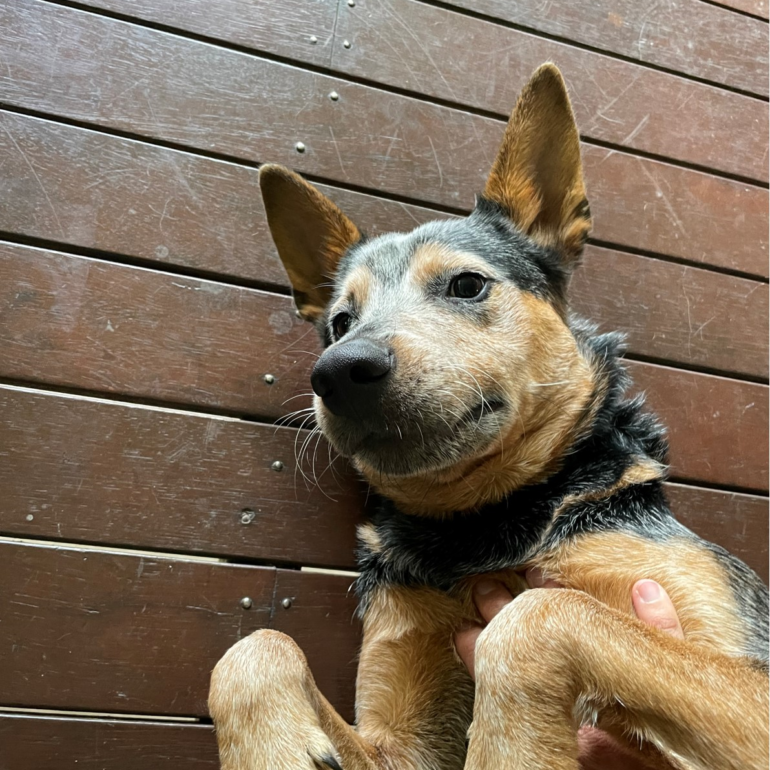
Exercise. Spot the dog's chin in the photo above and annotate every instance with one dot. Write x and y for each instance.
(420, 449)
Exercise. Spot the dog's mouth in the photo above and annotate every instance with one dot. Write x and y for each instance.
(427, 439)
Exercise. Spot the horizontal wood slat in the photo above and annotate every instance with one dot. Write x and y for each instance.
(689, 36)
(65, 743)
(756, 7)
(109, 473)
(97, 472)
(207, 215)
(101, 631)
(73, 322)
(178, 90)
(447, 56)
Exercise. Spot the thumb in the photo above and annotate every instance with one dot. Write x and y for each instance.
(653, 606)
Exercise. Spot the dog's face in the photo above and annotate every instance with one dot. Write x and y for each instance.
(444, 344)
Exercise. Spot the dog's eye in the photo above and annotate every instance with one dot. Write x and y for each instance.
(467, 286)
(341, 324)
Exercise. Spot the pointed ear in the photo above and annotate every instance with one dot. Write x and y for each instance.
(537, 176)
(310, 233)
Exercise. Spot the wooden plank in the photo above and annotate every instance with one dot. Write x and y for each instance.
(102, 631)
(755, 7)
(738, 523)
(73, 322)
(207, 215)
(676, 312)
(154, 84)
(65, 743)
(485, 65)
(99, 472)
(688, 36)
(112, 474)
(717, 427)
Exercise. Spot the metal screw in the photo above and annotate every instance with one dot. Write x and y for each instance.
(286, 603)
(334, 96)
(352, 3)
(299, 147)
(247, 516)
(246, 603)
(313, 40)
(30, 517)
(269, 379)
(277, 466)
(346, 43)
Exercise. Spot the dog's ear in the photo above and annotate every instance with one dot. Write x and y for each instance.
(537, 177)
(310, 233)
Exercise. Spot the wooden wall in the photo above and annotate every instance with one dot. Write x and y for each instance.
(142, 305)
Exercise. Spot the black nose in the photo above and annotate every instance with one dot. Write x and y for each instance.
(350, 377)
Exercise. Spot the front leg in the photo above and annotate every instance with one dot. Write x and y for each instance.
(552, 657)
(269, 714)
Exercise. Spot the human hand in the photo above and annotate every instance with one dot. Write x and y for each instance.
(597, 749)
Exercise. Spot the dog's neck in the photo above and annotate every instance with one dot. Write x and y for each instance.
(554, 410)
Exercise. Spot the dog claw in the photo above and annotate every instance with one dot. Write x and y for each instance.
(327, 760)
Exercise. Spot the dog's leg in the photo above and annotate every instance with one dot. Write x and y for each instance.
(269, 714)
(552, 657)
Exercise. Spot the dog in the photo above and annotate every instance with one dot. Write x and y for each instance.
(495, 429)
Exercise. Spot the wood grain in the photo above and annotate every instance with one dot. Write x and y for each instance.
(684, 35)
(675, 312)
(66, 743)
(102, 631)
(756, 7)
(717, 427)
(738, 523)
(99, 472)
(107, 473)
(73, 322)
(439, 53)
(154, 84)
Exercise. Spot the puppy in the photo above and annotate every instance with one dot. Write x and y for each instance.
(496, 430)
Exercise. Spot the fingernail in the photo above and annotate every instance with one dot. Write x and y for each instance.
(648, 590)
(484, 587)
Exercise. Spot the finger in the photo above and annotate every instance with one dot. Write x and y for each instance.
(653, 606)
(535, 579)
(490, 597)
(465, 644)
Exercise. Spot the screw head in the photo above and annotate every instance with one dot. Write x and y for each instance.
(352, 3)
(313, 40)
(246, 603)
(30, 517)
(334, 96)
(286, 603)
(247, 516)
(299, 147)
(269, 379)
(346, 43)
(277, 466)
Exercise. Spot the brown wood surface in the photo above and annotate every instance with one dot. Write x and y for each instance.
(161, 86)
(207, 344)
(65, 743)
(675, 312)
(738, 523)
(439, 53)
(98, 472)
(755, 7)
(689, 36)
(102, 473)
(102, 631)
(717, 427)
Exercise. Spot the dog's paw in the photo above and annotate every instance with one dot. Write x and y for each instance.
(327, 761)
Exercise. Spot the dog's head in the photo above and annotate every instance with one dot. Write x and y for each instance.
(450, 375)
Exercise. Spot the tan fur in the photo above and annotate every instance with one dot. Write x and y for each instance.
(310, 233)
(606, 565)
(552, 649)
(530, 351)
(537, 176)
